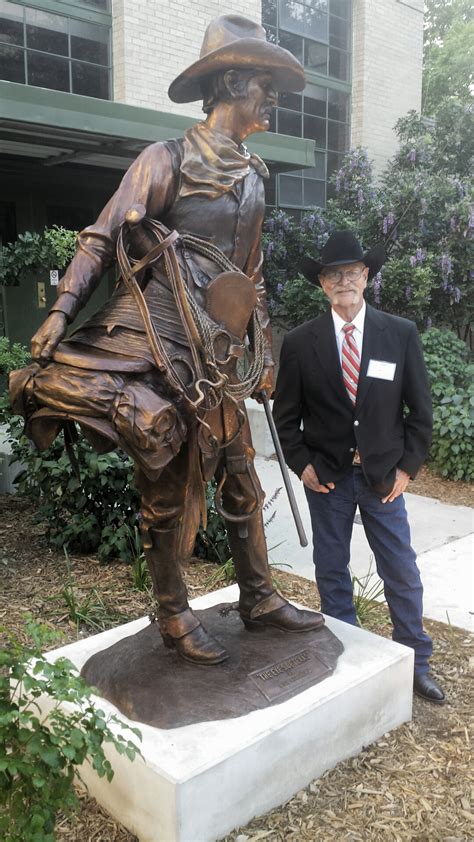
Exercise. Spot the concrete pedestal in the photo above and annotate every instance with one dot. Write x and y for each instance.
(198, 782)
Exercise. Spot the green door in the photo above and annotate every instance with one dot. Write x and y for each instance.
(27, 305)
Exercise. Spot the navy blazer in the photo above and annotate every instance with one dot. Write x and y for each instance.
(317, 423)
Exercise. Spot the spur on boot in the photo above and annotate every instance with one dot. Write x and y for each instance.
(193, 643)
(276, 612)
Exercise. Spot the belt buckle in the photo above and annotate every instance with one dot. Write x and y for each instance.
(356, 460)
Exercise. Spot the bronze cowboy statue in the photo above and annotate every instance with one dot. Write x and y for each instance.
(159, 370)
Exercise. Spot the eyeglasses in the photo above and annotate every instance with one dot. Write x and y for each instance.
(334, 276)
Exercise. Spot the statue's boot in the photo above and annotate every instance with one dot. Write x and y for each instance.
(179, 627)
(260, 606)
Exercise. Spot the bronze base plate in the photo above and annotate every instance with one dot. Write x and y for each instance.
(151, 684)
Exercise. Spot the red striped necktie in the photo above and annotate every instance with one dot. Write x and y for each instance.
(350, 362)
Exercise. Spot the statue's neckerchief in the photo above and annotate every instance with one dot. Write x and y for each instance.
(213, 164)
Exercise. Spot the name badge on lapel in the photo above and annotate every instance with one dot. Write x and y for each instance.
(381, 369)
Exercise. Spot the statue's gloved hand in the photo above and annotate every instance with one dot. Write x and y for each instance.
(265, 384)
(48, 337)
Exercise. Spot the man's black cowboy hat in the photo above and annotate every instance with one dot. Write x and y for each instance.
(343, 247)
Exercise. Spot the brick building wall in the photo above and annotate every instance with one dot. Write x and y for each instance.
(154, 40)
(386, 71)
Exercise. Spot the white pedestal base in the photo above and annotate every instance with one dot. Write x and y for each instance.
(197, 783)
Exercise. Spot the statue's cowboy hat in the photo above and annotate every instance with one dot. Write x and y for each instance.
(233, 41)
(343, 247)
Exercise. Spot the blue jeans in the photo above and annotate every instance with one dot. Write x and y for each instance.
(388, 533)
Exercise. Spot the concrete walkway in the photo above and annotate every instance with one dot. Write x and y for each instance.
(442, 535)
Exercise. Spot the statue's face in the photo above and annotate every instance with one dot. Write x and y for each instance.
(256, 107)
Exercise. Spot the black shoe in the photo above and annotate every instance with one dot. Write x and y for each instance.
(427, 688)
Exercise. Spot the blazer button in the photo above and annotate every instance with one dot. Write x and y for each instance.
(351, 449)
(356, 423)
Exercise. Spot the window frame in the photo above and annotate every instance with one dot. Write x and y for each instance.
(320, 80)
(71, 11)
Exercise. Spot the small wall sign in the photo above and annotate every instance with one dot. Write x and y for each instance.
(54, 277)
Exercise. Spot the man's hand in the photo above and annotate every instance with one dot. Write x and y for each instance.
(401, 481)
(310, 479)
(48, 337)
(265, 384)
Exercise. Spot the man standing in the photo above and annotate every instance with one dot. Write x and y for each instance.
(154, 371)
(353, 411)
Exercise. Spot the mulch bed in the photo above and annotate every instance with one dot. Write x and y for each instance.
(413, 784)
(446, 490)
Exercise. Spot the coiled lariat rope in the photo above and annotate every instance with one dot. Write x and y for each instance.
(211, 384)
(209, 330)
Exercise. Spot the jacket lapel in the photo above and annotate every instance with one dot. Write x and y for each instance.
(372, 348)
(325, 347)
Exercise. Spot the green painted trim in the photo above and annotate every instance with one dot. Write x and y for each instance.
(69, 8)
(327, 82)
(297, 152)
(27, 104)
(42, 106)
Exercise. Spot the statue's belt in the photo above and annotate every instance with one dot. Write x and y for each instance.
(121, 311)
(161, 304)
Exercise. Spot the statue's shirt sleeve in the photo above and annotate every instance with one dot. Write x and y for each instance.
(150, 181)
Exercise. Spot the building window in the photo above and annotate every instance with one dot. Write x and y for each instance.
(320, 114)
(103, 5)
(55, 51)
(318, 33)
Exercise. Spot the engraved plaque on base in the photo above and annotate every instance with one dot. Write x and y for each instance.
(301, 670)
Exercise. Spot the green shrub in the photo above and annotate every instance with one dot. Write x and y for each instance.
(94, 513)
(32, 252)
(11, 356)
(302, 301)
(39, 757)
(452, 388)
(446, 357)
(452, 450)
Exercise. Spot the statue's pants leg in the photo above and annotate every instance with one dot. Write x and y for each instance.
(249, 553)
(259, 603)
(163, 504)
(162, 511)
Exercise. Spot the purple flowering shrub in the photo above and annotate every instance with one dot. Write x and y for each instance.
(426, 198)
(421, 208)
(356, 193)
(284, 243)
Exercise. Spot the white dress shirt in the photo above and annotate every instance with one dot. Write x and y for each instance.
(357, 334)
